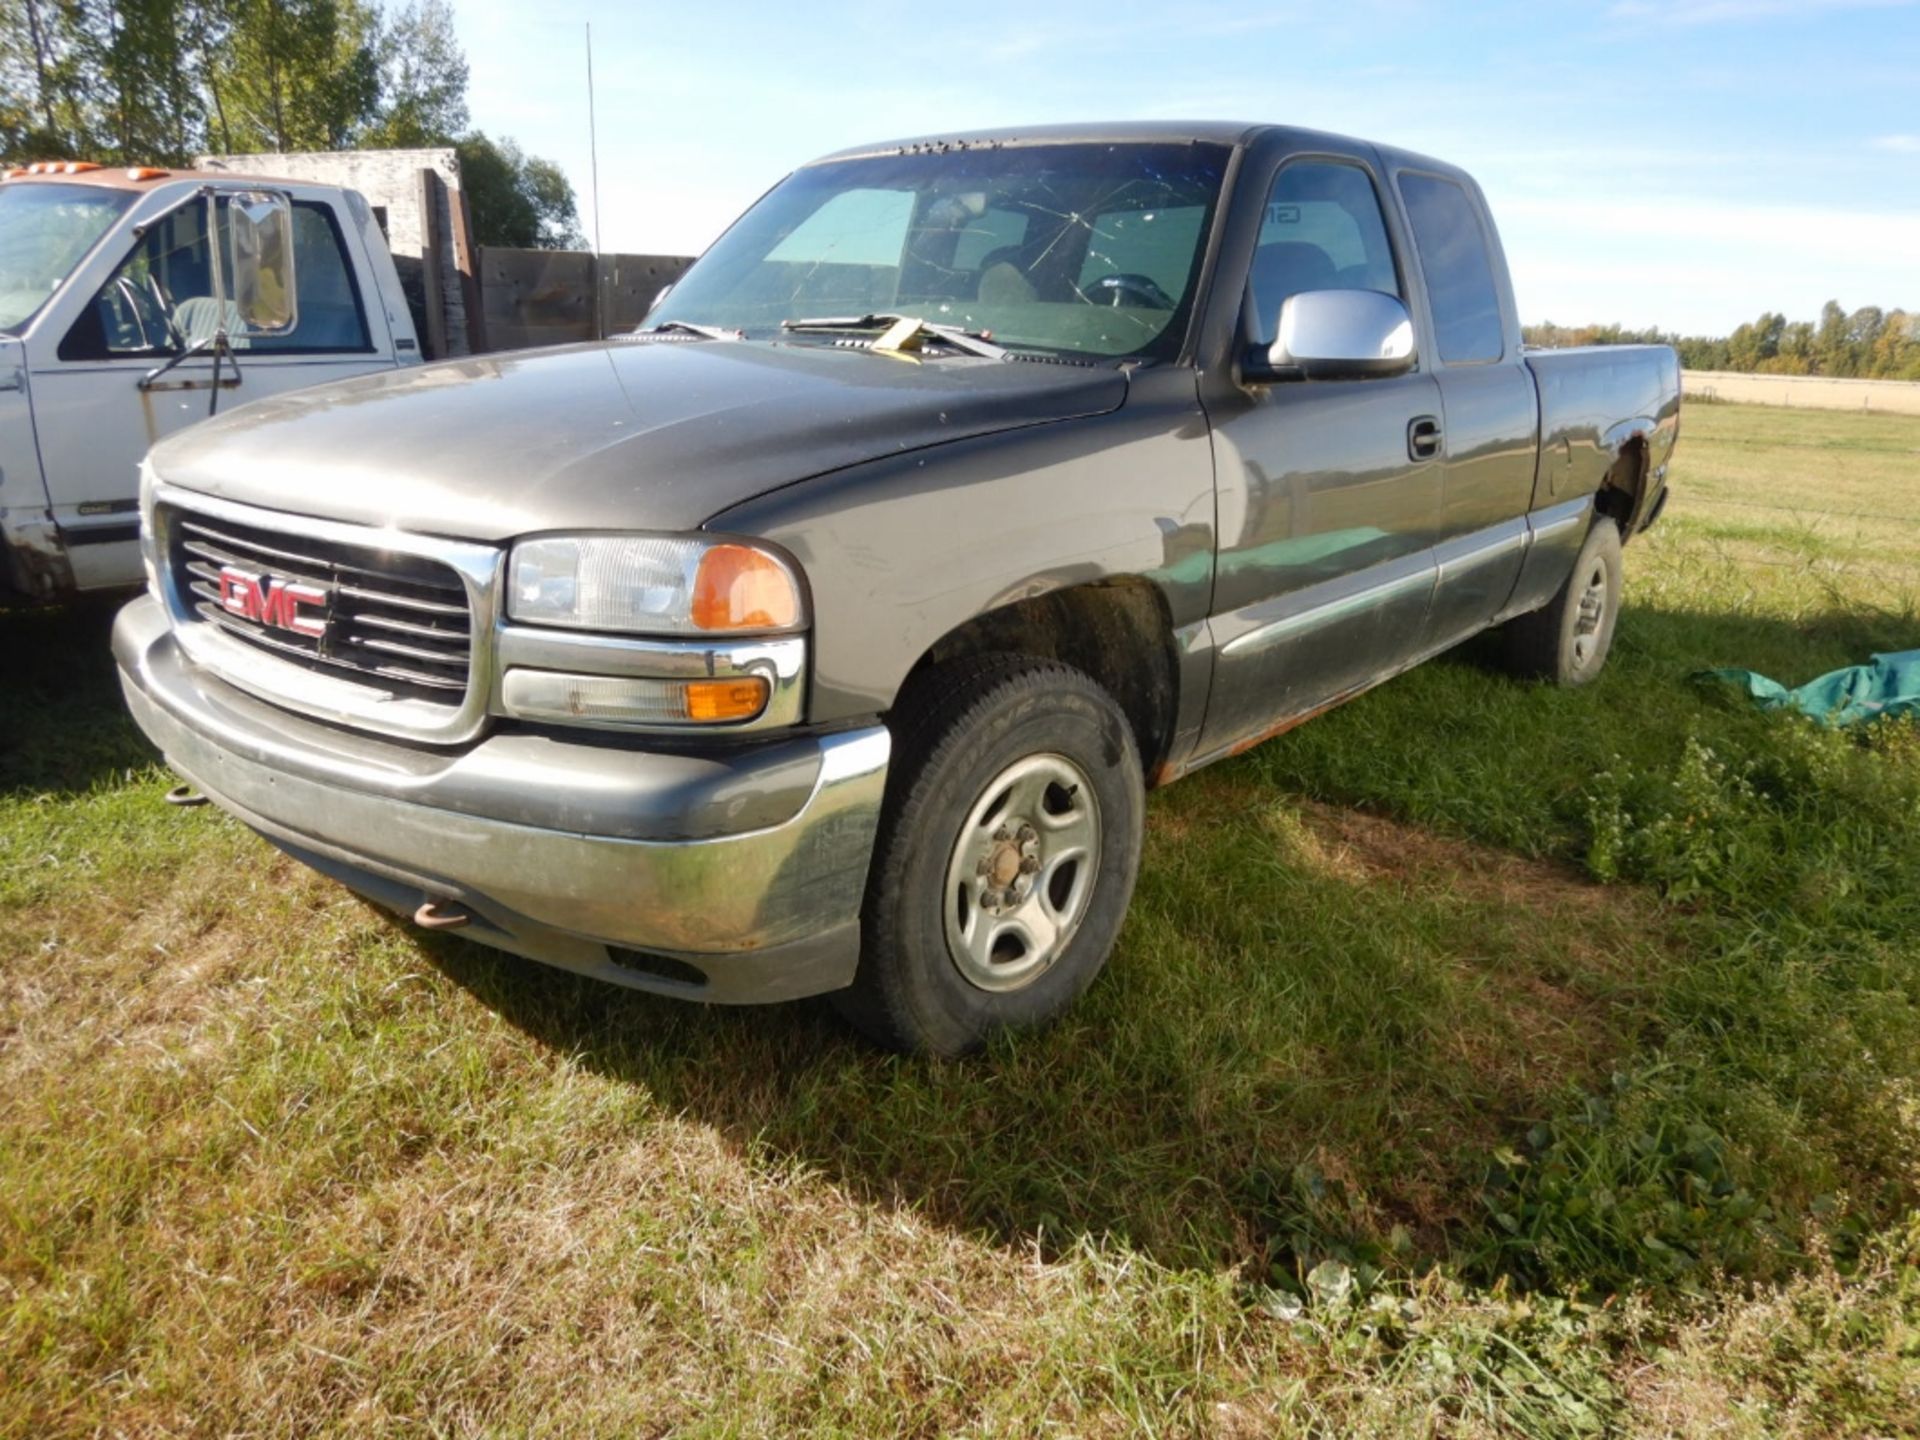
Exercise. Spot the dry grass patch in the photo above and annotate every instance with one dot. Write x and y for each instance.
(1564, 951)
(1573, 948)
(1832, 1352)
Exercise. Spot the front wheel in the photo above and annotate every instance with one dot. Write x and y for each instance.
(1567, 640)
(1006, 855)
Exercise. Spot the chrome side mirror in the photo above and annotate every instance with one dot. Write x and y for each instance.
(253, 264)
(1336, 335)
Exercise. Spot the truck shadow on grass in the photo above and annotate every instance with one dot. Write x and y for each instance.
(1322, 1026)
(63, 725)
(1306, 1048)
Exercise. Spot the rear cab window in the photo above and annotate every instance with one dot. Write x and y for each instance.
(1461, 292)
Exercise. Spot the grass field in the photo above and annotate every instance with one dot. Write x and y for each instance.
(1478, 1059)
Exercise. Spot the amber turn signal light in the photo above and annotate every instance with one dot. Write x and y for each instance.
(712, 700)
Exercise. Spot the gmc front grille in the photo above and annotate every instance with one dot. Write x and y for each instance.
(398, 622)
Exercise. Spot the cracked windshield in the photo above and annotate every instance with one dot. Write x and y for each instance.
(1079, 250)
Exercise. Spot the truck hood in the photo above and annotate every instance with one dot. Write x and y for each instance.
(621, 435)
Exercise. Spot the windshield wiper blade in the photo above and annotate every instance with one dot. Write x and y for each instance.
(900, 331)
(688, 327)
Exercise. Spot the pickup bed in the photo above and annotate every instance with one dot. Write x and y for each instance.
(825, 633)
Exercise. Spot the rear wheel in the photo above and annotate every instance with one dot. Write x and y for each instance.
(1568, 639)
(1006, 855)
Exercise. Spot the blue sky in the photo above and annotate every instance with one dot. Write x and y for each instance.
(1685, 163)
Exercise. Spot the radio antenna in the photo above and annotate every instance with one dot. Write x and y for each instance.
(593, 144)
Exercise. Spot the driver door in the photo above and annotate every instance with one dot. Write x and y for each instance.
(1329, 491)
(96, 411)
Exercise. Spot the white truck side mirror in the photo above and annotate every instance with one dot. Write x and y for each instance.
(253, 262)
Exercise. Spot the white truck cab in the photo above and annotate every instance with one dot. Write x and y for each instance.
(121, 323)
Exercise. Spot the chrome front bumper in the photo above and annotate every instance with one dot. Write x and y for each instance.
(729, 876)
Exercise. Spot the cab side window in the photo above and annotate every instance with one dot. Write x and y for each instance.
(1323, 230)
(1458, 271)
(160, 300)
(330, 315)
(160, 290)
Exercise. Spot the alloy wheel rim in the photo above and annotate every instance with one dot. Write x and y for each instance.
(1021, 872)
(1591, 617)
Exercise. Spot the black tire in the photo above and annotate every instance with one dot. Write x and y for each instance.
(970, 726)
(1566, 641)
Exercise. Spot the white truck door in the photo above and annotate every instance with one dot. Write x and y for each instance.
(24, 534)
(96, 412)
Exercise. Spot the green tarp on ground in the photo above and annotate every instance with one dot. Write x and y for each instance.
(1890, 685)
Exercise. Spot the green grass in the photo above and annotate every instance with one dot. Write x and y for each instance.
(1479, 1058)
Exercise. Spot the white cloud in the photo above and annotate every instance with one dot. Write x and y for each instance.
(1700, 266)
(1900, 144)
(1713, 12)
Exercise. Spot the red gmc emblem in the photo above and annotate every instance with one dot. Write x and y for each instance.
(276, 604)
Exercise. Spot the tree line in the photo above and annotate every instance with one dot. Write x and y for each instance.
(1865, 344)
(130, 82)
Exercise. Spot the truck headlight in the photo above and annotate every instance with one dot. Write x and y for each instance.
(653, 584)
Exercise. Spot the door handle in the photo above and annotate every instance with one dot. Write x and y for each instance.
(227, 382)
(1423, 437)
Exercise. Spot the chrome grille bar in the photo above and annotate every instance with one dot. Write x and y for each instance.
(414, 573)
(407, 617)
(203, 551)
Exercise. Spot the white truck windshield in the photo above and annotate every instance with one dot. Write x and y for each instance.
(1075, 249)
(45, 230)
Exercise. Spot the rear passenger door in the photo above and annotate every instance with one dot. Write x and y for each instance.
(1488, 404)
(1328, 508)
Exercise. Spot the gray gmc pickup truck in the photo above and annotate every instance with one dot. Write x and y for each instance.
(826, 633)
